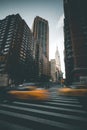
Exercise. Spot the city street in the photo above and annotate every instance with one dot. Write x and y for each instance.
(59, 113)
(43, 66)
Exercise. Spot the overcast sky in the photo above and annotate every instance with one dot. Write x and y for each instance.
(51, 10)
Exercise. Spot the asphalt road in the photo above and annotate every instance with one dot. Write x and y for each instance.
(59, 113)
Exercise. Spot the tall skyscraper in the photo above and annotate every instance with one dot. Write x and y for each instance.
(57, 58)
(41, 36)
(59, 74)
(75, 32)
(16, 47)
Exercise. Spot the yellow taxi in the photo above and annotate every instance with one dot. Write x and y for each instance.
(74, 90)
(29, 93)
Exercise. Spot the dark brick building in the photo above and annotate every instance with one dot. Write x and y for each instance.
(75, 35)
(16, 49)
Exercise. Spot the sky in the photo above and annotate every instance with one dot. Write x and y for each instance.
(51, 10)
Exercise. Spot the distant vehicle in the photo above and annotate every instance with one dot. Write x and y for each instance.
(28, 93)
(73, 90)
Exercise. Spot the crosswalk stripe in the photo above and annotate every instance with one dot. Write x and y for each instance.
(66, 98)
(39, 120)
(65, 101)
(63, 104)
(46, 112)
(51, 107)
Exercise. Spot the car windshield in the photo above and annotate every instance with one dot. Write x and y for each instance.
(29, 88)
(28, 84)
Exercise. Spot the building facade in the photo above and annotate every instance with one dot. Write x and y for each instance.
(41, 35)
(75, 36)
(16, 56)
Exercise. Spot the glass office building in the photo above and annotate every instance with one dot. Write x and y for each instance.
(41, 35)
